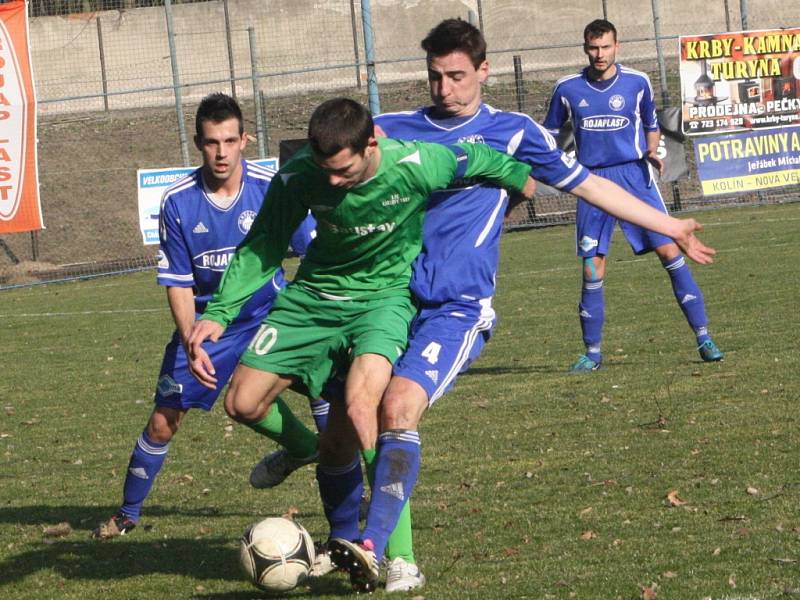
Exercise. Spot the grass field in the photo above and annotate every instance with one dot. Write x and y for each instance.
(534, 484)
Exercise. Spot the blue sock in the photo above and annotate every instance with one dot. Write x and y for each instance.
(146, 461)
(319, 411)
(689, 297)
(396, 472)
(592, 310)
(340, 489)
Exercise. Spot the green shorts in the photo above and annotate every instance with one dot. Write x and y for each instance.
(309, 337)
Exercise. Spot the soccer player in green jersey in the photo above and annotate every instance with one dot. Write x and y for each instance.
(351, 291)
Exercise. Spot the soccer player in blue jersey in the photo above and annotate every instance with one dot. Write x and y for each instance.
(203, 218)
(454, 279)
(613, 115)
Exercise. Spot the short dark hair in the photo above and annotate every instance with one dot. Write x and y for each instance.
(598, 28)
(217, 107)
(455, 35)
(337, 124)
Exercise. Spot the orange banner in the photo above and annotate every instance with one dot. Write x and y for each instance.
(20, 208)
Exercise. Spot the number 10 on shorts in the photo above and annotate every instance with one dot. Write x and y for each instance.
(263, 340)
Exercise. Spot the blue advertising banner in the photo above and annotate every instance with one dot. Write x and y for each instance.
(744, 162)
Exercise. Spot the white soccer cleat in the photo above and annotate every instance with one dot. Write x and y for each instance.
(277, 466)
(402, 576)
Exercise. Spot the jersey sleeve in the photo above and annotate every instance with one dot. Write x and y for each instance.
(259, 255)
(174, 258)
(480, 160)
(303, 235)
(557, 112)
(549, 163)
(648, 106)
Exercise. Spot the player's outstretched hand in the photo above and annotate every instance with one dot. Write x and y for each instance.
(199, 362)
(691, 244)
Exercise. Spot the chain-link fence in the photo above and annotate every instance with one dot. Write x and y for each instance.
(118, 82)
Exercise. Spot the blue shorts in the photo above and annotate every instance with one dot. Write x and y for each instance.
(177, 387)
(594, 227)
(443, 343)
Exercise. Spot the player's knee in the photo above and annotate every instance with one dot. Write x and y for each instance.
(162, 426)
(403, 405)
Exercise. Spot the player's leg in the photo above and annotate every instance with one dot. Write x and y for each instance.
(176, 392)
(690, 299)
(443, 343)
(377, 337)
(285, 343)
(638, 180)
(594, 229)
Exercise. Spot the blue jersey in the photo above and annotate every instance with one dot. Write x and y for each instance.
(460, 242)
(609, 118)
(198, 237)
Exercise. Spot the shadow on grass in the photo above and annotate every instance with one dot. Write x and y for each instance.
(203, 559)
(510, 370)
(88, 517)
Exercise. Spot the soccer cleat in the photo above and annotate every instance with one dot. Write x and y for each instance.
(709, 352)
(359, 560)
(116, 526)
(402, 576)
(277, 466)
(584, 364)
(322, 561)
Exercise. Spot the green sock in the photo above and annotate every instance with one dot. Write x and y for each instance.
(401, 542)
(282, 426)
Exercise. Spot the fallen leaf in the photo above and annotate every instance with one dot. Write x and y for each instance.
(588, 535)
(61, 530)
(674, 499)
(291, 512)
(648, 593)
(586, 511)
(743, 531)
(418, 598)
(732, 581)
(752, 491)
(669, 574)
(785, 561)
(716, 551)
(511, 551)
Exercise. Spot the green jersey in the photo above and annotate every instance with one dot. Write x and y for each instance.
(367, 235)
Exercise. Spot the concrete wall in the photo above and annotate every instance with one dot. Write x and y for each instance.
(307, 45)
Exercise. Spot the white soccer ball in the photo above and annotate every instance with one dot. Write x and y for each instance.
(276, 554)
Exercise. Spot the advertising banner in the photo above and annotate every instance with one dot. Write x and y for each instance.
(744, 162)
(20, 208)
(739, 81)
(150, 185)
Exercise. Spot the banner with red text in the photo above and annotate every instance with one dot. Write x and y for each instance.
(20, 208)
(739, 81)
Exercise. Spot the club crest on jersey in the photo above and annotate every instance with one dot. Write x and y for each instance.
(616, 102)
(246, 220)
(475, 138)
(587, 243)
(604, 123)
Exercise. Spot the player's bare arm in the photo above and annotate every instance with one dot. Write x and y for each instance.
(616, 201)
(200, 364)
(181, 305)
(653, 141)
